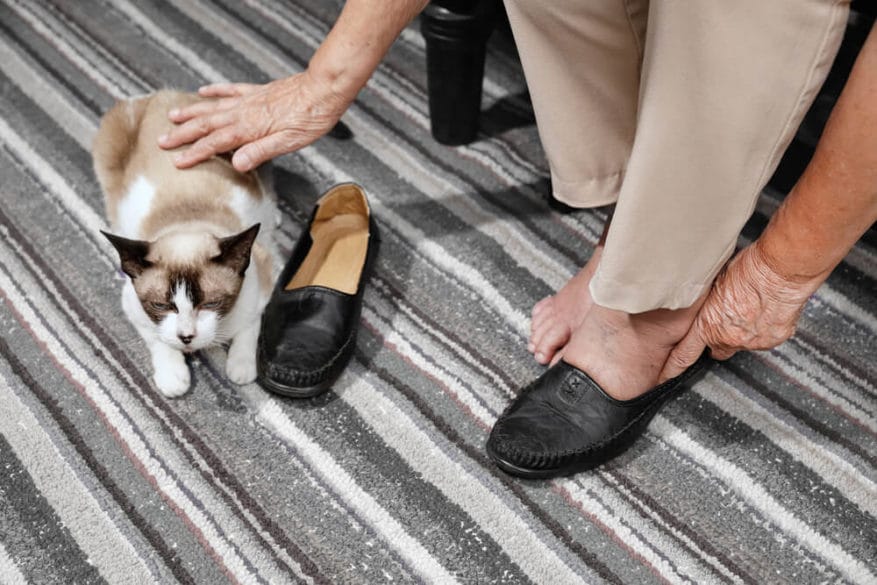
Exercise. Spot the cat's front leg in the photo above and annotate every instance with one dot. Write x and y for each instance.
(171, 372)
(241, 364)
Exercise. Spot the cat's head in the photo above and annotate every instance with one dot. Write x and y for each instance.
(187, 282)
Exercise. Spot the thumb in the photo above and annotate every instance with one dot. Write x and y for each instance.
(684, 354)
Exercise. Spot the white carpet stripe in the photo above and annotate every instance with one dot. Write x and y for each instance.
(862, 391)
(667, 571)
(399, 337)
(422, 333)
(161, 475)
(216, 482)
(52, 36)
(31, 79)
(9, 572)
(845, 306)
(58, 187)
(171, 44)
(91, 527)
(662, 525)
(737, 480)
(833, 470)
(507, 528)
(835, 392)
(269, 414)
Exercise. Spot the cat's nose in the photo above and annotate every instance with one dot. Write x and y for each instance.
(187, 339)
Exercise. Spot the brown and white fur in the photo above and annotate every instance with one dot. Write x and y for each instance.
(185, 239)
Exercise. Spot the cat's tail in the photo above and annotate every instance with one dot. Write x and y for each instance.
(114, 143)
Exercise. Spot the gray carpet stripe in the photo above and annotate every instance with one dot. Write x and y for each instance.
(801, 489)
(853, 567)
(105, 547)
(35, 539)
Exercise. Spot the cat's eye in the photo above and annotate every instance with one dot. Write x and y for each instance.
(167, 307)
(210, 305)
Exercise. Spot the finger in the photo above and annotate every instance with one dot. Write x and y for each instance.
(217, 142)
(202, 108)
(684, 354)
(255, 153)
(194, 129)
(226, 89)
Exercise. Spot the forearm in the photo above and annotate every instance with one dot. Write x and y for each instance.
(354, 47)
(835, 201)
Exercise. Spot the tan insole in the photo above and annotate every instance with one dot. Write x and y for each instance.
(337, 254)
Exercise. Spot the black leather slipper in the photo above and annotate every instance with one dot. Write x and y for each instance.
(309, 326)
(564, 422)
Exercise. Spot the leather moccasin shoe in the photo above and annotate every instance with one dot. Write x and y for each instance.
(309, 326)
(564, 422)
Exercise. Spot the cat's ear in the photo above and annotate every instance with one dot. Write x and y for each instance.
(234, 251)
(132, 254)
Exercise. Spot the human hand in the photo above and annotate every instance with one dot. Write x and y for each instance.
(260, 121)
(750, 306)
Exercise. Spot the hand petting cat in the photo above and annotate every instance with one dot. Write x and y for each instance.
(260, 121)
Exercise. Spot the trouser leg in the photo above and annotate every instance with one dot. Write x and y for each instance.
(724, 86)
(582, 63)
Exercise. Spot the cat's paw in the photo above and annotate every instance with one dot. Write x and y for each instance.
(173, 380)
(240, 368)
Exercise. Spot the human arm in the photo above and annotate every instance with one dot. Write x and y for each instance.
(264, 121)
(756, 301)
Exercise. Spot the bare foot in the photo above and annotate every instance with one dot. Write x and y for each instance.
(554, 318)
(624, 353)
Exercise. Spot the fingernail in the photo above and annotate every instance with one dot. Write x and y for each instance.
(540, 357)
(178, 158)
(162, 139)
(530, 347)
(174, 113)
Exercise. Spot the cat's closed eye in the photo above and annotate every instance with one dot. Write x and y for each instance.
(210, 305)
(166, 307)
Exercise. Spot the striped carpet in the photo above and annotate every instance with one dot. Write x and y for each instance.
(763, 473)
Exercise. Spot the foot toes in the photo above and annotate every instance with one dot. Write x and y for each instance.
(550, 342)
(541, 306)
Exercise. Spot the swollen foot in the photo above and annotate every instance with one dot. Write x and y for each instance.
(624, 353)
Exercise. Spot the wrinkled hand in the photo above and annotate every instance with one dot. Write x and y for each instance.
(750, 306)
(261, 121)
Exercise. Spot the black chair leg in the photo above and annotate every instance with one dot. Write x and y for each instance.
(456, 34)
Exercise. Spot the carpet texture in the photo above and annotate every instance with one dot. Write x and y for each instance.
(763, 473)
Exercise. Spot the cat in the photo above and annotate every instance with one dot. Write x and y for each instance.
(185, 240)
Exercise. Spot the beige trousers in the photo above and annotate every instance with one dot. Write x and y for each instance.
(676, 110)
